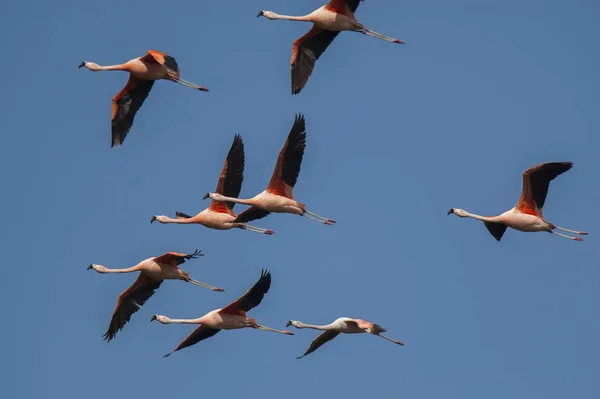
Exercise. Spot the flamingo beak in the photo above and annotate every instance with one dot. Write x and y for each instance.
(450, 211)
(289, 323)
(206, 196)
(153, 318)
(91, 266)
(81, 65)
(260, 14)
(153, 219)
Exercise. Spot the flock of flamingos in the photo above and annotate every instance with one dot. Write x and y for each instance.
(328, 21)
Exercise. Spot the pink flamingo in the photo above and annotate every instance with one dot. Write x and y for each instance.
(341, 325)
(143, 71)
(231, 317)
(153, 271)
(220, 215)
(527, 215)
(328, 21)
(278, 196)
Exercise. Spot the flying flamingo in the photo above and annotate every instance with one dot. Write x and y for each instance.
(152, 273)
(220, 215)
(278, 197)
(143, 71)
(343, 325)
(328, 21)
(527, 214)
(231, 317)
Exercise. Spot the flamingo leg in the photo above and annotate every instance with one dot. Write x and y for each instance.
(264, 328)
(321, 217)
(317, 220)
(256, 229)
(566, 236)
(583, 233)
(390, 339)
(199, 284)
(189, 84)
(369, 32)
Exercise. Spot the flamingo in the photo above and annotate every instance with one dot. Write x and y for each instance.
(143, 71)
(152, 273)
(219, 215)
(278, 196)
(527, 215)
(345, 325)
(328, 21)
(231, 317)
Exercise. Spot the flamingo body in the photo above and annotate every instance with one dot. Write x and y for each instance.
(153, 271)
(231, 317)
(143, 72)
(527, 215)
(220, 215)
(341, 325)
(328, 21)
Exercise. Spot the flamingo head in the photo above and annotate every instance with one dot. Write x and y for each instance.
(266, 14)
(294, 323)
(159, 218)
(98, 268)
(89, 65)
(458, 212)
(160, 319)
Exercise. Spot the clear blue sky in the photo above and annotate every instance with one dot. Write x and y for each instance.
(396, 136)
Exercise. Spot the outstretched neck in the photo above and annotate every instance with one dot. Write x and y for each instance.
(303, 18)
(128, 270)
(312, 326)
(96, 67)
(482, 218)
(166, 219)
(184, 321)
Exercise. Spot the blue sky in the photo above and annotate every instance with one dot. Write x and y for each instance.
(396, 135)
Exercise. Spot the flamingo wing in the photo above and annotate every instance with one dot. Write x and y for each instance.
(305, 52)
(289, 160)
(343, 6)
(177, 258)
(253, 297)
(496, 229)
(321, 339)
(199, 334)
(163, 59)
(250, 214)
(231, 177)
(536, 181)
(125, 105)
(130, 302)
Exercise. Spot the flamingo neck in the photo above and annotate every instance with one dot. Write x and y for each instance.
(128, 270)
(184, 321)
(95, 67)
(166, 219)
(493, 219)
(303, 18)
(313, 326)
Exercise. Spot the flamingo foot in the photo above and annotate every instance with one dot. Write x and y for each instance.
(269, 232)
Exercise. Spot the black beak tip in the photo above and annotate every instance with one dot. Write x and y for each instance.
(450, 211)
(91, 266)
(260, 14)
(206, 196)
(152, 219)
(82, 64)
(289, 323)
(153, 318)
